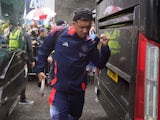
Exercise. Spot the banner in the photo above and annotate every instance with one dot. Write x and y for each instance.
(32, 4)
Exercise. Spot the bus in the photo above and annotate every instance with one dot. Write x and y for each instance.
(128, 87)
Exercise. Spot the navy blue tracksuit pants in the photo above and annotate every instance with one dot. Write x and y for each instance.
(66, 107)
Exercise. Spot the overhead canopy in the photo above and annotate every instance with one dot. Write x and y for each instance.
(14, 9)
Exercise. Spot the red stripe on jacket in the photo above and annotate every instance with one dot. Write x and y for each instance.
(52, 96)
(54, 80)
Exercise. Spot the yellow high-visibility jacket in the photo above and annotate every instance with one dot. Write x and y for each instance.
(14, 40)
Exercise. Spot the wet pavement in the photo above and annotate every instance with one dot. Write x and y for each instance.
(40, 109)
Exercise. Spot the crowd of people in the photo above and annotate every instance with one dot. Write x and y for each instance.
(37, 32)
(40, 32)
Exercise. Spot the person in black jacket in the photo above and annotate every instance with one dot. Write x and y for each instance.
(29, 50)
(43, 34)
(30, 64)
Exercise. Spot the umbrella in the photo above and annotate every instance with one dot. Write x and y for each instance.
(40, 14)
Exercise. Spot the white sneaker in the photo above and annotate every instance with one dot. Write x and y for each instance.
(26, 101)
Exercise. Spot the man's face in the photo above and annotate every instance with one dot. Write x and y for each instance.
(82, 27)
(43, 34)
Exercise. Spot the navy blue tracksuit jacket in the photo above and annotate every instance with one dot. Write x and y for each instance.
(70, 59)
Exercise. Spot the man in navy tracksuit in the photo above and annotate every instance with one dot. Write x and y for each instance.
(73, 51)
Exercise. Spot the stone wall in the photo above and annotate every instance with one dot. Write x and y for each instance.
(65, 8)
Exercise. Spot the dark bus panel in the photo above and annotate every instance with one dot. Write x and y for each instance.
(122, 21)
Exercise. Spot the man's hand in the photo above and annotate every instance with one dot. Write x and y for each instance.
(34, 42)
(49, 59)
(32, 64)
(104, 40)
(41, 76)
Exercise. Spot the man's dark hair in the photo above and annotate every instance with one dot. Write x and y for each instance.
(60, 22)
(43, 30)
(82, 14)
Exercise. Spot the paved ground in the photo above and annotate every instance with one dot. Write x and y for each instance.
(40, 109)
